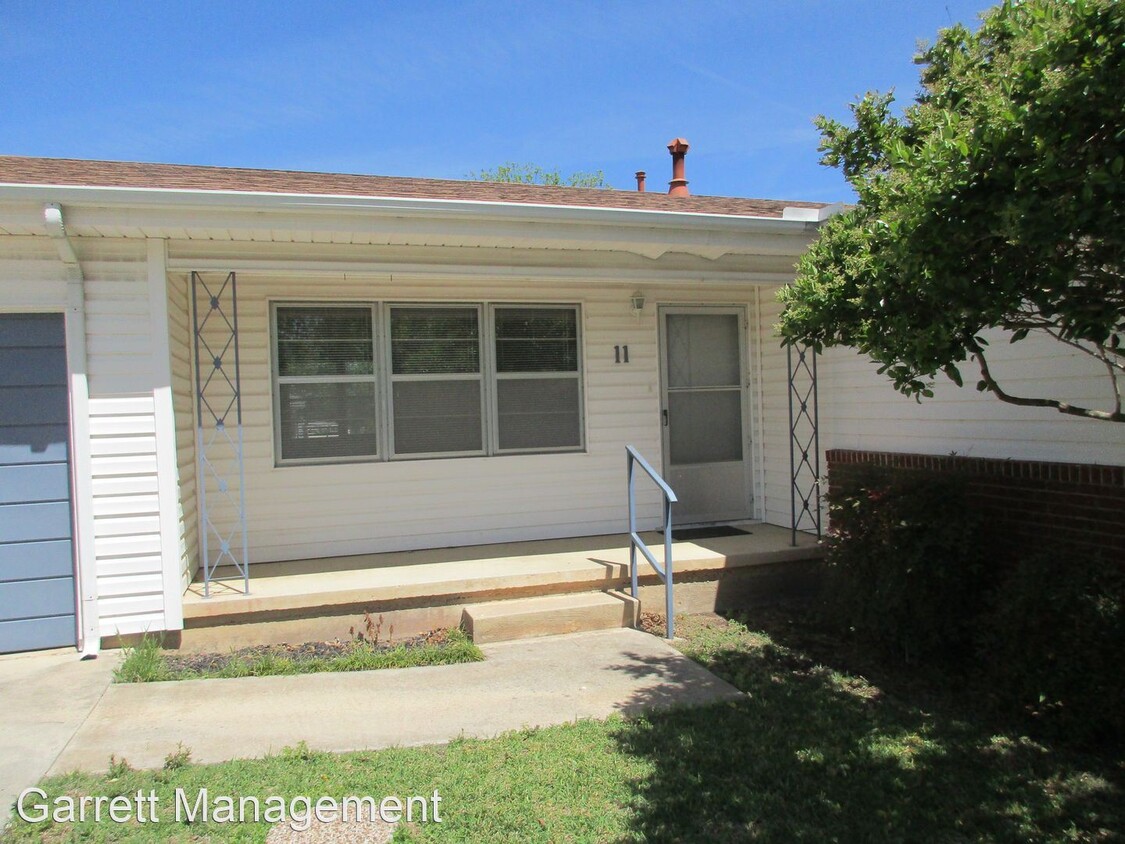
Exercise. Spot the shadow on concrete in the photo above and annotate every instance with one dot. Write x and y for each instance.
(670, 681)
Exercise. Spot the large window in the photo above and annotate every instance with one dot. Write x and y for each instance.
(436, 382)
(398, 381)
(537, 381)
(326, 385)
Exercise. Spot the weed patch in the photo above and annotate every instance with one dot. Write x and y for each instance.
(148, 662)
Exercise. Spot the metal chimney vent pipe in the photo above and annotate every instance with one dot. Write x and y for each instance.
(678, 147)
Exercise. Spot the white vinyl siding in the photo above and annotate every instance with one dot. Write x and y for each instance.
(31, 276)
(127, 542)
(866, 413)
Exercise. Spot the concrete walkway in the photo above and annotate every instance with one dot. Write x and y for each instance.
(44, 698)
(535, 682)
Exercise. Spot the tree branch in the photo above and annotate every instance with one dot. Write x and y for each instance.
(1034, 322)
(1099, 351)
(1113, 378)
(1061, 406)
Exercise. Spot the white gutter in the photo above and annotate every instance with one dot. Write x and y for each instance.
(407, 207)
(81, 471)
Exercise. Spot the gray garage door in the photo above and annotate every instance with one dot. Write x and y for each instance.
(36, 557)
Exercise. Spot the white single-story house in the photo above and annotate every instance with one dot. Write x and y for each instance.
(204, 366)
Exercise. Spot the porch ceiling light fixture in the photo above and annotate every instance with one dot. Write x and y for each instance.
(637, 302)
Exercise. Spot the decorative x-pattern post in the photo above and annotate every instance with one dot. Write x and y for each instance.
(804, 441)
(218, 441)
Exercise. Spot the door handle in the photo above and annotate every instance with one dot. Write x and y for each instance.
(664, 415)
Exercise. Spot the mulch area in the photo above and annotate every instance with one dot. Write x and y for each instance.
(300, 652)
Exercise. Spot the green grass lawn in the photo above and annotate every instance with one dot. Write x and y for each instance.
(810, 754)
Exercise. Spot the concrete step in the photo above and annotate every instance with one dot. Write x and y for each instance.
(524, 618)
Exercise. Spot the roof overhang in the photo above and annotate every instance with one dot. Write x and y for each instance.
(159, 212)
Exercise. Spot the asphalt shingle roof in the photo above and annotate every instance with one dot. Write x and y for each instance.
(131, 174)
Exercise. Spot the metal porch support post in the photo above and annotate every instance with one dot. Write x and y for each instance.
(220, 454)
(804, 441)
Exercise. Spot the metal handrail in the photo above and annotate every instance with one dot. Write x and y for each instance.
(633, 457)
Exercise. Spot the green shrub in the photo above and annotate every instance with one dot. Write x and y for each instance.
(904, 561)
(1053, 645)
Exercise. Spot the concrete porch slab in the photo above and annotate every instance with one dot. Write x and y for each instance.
(529, 683)
(476, 573)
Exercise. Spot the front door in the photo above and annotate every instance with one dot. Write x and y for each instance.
(706, 458)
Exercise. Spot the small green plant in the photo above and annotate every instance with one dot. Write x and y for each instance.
(268, 665)
(178, 758)
(118, 767)
(904, 565)
(300, 752)
(143, 663)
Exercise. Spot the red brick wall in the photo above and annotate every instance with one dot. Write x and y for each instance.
(1026, 504)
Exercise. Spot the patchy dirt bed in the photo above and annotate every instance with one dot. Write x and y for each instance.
(302, 652)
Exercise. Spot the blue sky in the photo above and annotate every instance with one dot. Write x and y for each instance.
(439, 89)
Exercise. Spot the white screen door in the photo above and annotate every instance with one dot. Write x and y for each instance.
(706, 457)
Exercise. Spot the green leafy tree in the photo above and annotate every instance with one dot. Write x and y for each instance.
(994, 201)
(531, 174)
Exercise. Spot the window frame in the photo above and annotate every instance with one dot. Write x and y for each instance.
(384, 379)
(278, 379)
(495, 376)
(480, 376)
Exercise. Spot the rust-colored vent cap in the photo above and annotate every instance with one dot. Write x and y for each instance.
(678, 186)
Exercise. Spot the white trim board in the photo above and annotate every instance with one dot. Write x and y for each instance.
(167, 476)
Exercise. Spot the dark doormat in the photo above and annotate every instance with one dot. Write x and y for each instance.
(688, 534)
